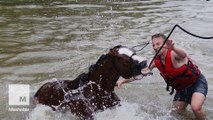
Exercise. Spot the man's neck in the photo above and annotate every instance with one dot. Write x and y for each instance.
(163, 55)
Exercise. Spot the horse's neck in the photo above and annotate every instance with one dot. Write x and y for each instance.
(105, 75)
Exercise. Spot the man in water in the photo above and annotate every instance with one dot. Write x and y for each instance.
(181, 74)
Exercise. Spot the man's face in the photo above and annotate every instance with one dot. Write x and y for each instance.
(157, 43)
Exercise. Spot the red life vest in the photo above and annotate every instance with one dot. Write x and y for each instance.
(179, 78)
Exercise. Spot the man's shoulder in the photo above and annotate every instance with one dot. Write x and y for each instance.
(177, 58)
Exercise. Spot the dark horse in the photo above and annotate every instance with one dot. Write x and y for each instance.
(93, 91)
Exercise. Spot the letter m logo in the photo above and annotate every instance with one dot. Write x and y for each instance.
(19, 94)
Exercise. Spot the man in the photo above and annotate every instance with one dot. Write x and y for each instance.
(181, 74)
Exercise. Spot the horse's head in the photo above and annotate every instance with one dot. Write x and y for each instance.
(119, 61)
(126, 62)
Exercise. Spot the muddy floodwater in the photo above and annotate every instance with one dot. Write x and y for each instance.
(45, 40)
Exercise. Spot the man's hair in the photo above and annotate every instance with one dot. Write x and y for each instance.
(159, 35)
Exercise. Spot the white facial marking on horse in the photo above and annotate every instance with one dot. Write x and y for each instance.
(139, 59)
(125, 51)
(129, 53)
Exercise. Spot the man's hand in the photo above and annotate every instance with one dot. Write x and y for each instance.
(169, 45)
(178, 53)
(120, 82)
(146, 71)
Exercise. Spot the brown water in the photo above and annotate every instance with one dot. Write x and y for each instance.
(42, 41)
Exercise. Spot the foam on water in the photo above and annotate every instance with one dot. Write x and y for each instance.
(127, 111)
(42, 42)
(42, 112)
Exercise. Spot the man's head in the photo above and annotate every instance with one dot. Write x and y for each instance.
(157, 42)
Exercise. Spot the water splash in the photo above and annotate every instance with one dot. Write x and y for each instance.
(42, 112)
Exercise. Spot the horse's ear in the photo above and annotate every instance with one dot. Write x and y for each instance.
(114, 50)
(118, 46)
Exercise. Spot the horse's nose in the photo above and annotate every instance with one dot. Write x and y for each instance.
(139, 67)
(143, 64)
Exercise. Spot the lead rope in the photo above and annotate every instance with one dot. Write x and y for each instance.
(145, 44)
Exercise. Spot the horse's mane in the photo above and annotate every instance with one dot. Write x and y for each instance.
(83, 77)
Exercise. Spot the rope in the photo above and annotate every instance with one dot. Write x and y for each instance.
(145, 44)
(170, 35)
(193, 34)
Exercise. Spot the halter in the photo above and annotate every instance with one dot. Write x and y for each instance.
(130, 53)
(133, 57)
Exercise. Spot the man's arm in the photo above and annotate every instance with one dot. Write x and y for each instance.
(147, 71)
(120, 82)
(179, 54)
(151, 66)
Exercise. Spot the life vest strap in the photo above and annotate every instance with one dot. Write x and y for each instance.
(190, 66)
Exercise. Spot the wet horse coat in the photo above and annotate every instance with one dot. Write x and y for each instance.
(93, 91)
